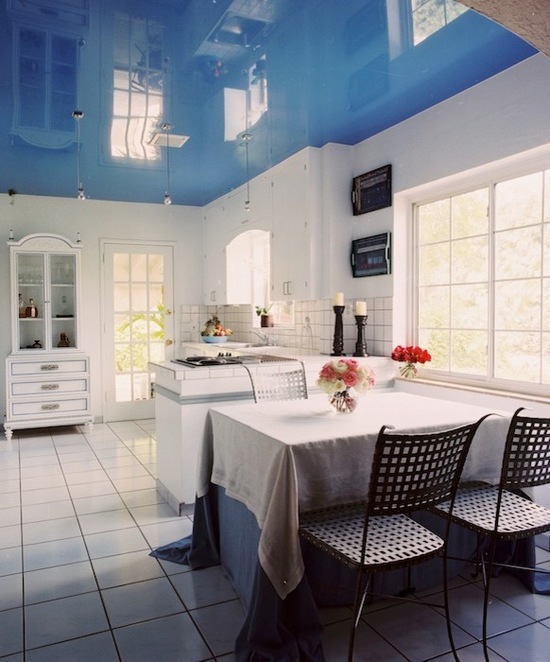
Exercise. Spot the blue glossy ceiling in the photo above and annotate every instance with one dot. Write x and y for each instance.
(249, 81)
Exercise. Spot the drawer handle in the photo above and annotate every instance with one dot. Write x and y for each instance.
(51, 406)
(49, 387)
(49, 366)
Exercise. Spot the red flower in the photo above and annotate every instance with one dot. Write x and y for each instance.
(411, 354)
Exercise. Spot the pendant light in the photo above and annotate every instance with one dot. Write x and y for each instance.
(166, 127)
(246, 138)
(77, 116)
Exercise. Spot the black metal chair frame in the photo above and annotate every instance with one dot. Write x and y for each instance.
(497, 512)
(284, 381)
(410, 472)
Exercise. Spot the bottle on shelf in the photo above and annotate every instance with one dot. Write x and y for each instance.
(22, 307)
(31, 310)
(63, 340)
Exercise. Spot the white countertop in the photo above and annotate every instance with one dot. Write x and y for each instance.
(214, 380)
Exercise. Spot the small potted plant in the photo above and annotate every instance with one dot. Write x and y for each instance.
(265, 318)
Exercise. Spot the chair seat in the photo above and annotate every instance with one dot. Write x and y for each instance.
(392, 540)
(475, 508)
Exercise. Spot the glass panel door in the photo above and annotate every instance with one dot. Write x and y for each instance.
(30, 281)
(138, 325)
(63, 300)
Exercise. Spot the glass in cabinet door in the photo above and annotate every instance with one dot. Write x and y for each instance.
(30, 282)
(63, 300)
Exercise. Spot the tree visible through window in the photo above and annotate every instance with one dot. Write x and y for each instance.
(483, 281)
(139, 322)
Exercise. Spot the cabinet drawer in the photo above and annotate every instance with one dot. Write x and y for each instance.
(48, 367)
(51, 387)
(49, 408)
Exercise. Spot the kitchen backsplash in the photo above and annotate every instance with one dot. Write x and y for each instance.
(313, 328)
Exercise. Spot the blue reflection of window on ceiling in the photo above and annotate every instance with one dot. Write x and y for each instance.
(47, 87)
(138, 87)
(243, 108)
(429, 16)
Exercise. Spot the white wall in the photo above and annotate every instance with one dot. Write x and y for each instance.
(96, 220)
(503, 116)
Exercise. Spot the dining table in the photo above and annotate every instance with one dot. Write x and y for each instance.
(262, 464)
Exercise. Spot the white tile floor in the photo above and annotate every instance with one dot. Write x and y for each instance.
(79, 514)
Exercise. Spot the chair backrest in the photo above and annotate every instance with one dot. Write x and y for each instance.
(415, 471)
(283, 381)
(526, 459)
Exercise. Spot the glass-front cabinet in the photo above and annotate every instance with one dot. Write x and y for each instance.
(47, 373)
(47, 316)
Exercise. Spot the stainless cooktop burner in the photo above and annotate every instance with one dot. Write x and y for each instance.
(228, 359)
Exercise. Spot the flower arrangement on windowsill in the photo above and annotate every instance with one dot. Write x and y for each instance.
(342, 380)
(410, 356)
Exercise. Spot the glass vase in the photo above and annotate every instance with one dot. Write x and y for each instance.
(408, 371)
(344, 402)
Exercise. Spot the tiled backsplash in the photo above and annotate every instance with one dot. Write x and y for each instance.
(312, 332)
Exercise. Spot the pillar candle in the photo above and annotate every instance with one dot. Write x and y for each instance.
(360, 307)
(338, 299)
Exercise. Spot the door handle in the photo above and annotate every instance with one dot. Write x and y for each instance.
(168, 342)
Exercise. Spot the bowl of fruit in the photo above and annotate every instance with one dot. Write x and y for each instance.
(215, 332)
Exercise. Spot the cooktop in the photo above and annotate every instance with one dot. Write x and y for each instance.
(206, 361)
(229, 359)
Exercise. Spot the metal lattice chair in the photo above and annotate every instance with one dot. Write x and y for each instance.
(284, 381)
(495, 512)
(410, 472)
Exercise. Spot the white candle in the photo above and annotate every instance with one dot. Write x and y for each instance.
(338, 299)
(360, 307)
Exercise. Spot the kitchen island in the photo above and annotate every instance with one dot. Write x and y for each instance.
(183, 396)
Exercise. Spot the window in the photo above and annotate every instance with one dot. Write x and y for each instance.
(138, 78)
(429, 16)
(483, 281)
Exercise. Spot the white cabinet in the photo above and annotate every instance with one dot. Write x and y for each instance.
(293, 228)
(214, 267)
(47, 375)
(285, 202)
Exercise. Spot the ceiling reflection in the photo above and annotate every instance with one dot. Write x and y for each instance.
(206, 94)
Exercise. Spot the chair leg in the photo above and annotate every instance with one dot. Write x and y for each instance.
(360, 597)
(479, 565)
(486, 594)
(447, 606)
(483, 563)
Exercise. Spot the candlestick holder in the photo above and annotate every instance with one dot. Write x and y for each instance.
(361, 345)
(338, 341)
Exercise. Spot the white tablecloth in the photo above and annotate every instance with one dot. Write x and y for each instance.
(279, 458)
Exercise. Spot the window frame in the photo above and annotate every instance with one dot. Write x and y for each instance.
(487, 176)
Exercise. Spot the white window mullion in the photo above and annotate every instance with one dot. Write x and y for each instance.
(491, 282)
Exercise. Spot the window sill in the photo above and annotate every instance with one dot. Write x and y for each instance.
(469, 388)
